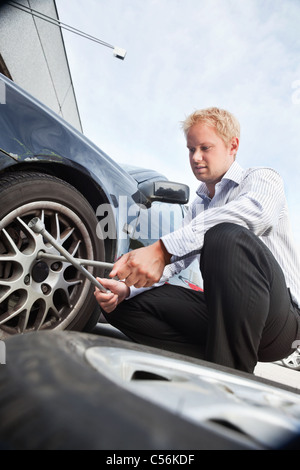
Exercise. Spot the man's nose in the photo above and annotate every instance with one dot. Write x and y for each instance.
(197, 155)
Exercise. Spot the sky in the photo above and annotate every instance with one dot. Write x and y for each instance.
(183, 55)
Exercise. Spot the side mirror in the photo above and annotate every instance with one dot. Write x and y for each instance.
(165, 191)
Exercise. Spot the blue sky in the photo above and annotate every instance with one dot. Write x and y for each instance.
(242, 55)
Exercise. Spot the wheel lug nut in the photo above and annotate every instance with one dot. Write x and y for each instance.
(27, 279)
(45, 288)
(55, 266)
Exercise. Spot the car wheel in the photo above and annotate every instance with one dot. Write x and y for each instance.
(37, 293)
(293, 361)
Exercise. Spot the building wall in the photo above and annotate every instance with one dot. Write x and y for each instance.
(33, 55)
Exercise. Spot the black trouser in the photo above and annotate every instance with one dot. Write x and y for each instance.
(244, 315)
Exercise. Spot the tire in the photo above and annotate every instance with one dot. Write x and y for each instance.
(37, 294)
(77, 391)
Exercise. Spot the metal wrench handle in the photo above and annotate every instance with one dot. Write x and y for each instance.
(86, 262)
(38, 227)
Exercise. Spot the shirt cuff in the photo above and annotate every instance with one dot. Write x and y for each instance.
(139, 290)
(135, 291)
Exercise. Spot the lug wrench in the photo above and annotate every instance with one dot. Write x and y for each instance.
(85, 262)
(38, 227)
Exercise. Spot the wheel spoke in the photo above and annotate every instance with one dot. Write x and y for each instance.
(5, 290)
(15, 306)
(76, 248)
(9, 239)
(9, 316)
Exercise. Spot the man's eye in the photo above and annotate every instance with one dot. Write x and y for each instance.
(205, 149)
(192, 150)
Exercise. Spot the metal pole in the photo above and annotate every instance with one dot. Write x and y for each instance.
(85, 262)
(38, 227)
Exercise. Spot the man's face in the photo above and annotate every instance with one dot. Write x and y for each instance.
(210, 158)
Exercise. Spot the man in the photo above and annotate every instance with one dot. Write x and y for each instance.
(238, 227)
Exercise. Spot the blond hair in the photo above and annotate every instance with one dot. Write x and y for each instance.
(225, 123)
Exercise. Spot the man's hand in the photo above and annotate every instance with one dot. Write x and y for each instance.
(118, 292)
(142, 267)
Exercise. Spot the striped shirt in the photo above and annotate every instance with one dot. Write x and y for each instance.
(253, 198)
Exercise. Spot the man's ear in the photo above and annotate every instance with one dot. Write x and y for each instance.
(234, 145)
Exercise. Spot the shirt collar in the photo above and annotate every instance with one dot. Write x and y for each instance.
(234, 173)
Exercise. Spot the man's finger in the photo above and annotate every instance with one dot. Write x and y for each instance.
(127, 264)
(117, 268)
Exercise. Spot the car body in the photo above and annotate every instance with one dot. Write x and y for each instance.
(91, 205)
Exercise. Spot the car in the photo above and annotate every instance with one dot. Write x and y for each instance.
(65, 383)
(93, 207)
